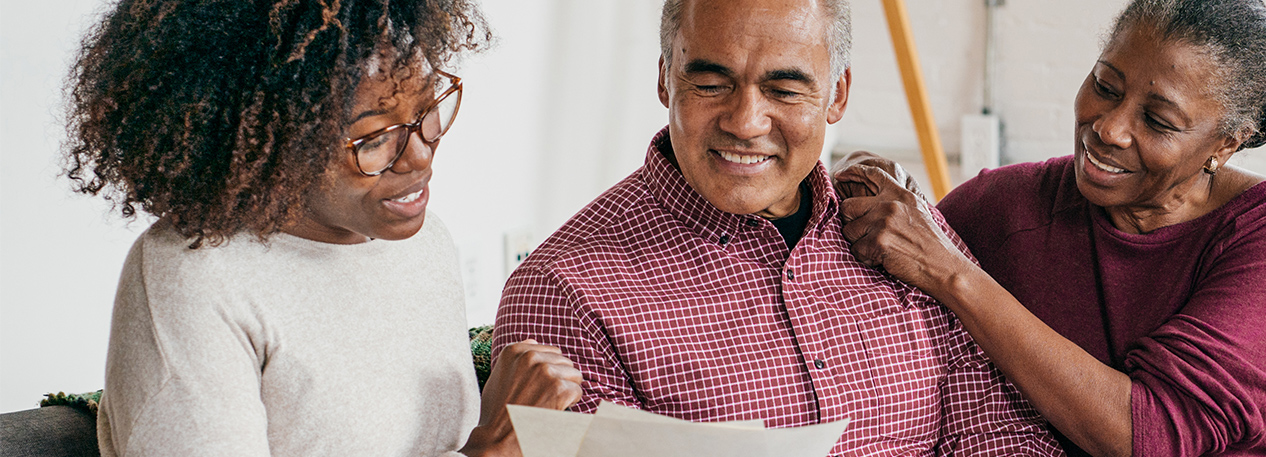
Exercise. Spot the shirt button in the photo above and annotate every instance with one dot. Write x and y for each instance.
(725, 239)
(791, 274)
(819, 364)
(752, 223)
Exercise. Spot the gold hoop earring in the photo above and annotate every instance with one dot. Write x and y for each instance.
(1211, 167)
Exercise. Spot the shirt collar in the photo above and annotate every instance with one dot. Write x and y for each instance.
(669, 187)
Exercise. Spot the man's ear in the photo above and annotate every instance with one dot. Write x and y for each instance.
(663, 88)
(835, 112)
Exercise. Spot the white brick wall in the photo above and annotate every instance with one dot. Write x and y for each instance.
(1044, 51)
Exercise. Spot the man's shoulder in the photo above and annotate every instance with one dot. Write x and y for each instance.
(611, 225)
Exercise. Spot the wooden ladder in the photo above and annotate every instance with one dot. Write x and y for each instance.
(917, 96)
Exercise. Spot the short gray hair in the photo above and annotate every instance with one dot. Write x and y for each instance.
(840, 32)
(1233, 34)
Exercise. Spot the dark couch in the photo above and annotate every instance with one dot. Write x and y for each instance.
(51, 431)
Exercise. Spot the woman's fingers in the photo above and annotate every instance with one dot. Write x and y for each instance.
(569, 392)
(847, 184)
(531, 345)
(863, 225)
(894, 229)
(541, 375)
(526, 373)
(846, 190)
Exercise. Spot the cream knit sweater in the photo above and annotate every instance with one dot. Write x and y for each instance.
(290, 347)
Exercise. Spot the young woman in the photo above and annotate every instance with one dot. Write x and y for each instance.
(294, 296)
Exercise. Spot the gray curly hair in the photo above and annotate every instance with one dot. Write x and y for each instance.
(840, 30)
(1233, 34)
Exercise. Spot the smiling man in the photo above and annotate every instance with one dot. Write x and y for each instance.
(714, 284)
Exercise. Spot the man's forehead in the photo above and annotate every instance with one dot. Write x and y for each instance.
(752, 14)
(781, 33)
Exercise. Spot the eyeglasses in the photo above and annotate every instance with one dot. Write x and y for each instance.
(377, 152)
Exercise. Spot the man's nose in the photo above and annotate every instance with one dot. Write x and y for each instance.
(747, 115)
(417, 155)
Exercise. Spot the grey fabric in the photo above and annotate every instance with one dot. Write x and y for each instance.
(52, 431)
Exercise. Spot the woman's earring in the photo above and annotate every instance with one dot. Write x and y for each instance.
(1211, 167)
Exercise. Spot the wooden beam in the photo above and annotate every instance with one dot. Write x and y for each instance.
(917, 96)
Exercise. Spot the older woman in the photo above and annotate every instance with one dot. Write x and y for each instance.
(1121, 288)
(289, 299)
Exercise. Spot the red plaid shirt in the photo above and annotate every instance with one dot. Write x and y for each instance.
(670, 305)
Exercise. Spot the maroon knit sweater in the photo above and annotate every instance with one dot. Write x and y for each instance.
(1181, 310)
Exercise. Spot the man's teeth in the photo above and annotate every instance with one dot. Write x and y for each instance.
(742, 158)
(409, 198)
(1102, 166)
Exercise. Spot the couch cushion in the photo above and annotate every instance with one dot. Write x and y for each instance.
(53, 431)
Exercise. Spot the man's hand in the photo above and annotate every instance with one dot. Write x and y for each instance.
(526, 373)
(848, 189)
(893, 228)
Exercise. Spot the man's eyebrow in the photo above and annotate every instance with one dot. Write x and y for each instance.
(704, 66)
(790, 74)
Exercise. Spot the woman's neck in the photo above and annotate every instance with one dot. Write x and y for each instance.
(1184, 203)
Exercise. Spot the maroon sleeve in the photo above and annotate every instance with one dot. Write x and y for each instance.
(1200, 379)
(537, 304)
(985, 415)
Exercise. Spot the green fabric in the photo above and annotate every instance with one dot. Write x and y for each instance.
(480, 351)
(85, 402)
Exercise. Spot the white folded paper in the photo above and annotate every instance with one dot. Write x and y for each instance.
(618, 431)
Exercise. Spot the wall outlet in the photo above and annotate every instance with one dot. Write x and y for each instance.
(518, 244)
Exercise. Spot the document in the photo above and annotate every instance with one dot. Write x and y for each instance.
(618, 431)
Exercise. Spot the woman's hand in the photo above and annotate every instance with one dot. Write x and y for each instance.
(893, 228)
(849, 189)
(526, 373)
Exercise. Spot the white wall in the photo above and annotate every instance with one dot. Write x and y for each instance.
(560, 110)
(1044, 52)
(59, 253)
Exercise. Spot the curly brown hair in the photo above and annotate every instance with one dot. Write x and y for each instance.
(219, 116)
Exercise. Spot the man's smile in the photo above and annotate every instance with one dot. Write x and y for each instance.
(744, 159)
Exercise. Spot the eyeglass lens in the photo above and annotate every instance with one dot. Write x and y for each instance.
(378, 153)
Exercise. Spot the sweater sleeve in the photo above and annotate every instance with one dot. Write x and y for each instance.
(985, 415)
(1199, 381)
(181, 378)
(537, 304)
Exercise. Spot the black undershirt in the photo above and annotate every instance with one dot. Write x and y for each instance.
(792, 227)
